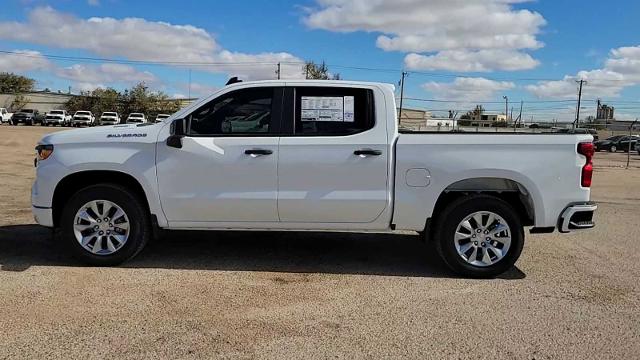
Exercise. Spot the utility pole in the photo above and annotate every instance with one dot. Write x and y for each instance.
(520, 115)
(576, 123)
(404, 74)
(629, 144)
(506, 111)
(278, 71)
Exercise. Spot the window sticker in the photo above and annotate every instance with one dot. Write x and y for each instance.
(327, 108)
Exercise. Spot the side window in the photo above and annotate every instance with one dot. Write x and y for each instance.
(245, 111)
(333, 111)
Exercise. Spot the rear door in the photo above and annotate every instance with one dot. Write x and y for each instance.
(333, 164)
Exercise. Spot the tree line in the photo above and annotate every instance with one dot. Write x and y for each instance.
(138, 98)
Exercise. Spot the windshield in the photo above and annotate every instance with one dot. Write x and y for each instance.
(29, 111)
(136, 115)
(109, 114)
(83, 113)
(56, 112)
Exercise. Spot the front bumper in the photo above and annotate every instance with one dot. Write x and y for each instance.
(43, 216)
(577, 216)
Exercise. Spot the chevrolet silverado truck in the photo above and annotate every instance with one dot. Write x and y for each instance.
(25, 116)
(310, 155)
(56, 117)
(83, 118)
(109, 118)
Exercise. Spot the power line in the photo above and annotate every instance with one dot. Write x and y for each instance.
(254, 63)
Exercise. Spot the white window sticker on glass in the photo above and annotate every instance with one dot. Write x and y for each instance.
(327, 108)
(348, 109)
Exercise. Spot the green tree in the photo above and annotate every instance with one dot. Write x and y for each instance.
(13, 83)
(318, 71)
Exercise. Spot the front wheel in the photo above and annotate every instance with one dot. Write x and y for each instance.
(105, 225)
(613, 148)
(479, 236)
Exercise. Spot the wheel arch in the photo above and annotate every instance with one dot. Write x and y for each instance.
(509, 190)
(74, 182)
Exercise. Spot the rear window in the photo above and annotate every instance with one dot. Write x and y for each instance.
(109, 114)
(83, 113)
(57, 112)
(333, 111)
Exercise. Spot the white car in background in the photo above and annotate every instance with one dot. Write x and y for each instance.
(5, 116)
(136, 118)
(109, 118)
(161, 117)
(56, 117)
(82, 117)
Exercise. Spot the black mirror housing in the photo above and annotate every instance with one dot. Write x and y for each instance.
(178, 127)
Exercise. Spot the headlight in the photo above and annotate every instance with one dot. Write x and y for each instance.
(44, 151)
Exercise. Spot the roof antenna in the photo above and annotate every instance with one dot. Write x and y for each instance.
(233, 80)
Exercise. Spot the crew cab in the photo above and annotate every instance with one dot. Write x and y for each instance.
(83, 118)
(109, 118)
(310, 155)
(136, 118)
(25, 116)
(56, 117)
(5, 116)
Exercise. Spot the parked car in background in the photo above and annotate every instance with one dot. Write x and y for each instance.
(628, 143)
(136, 118)
(5, 116)
(310, 155)
(616, 143)
(25, 116)
(161, 117)
(56, 117)
(605, 144)
(83, 118)
(109, 118)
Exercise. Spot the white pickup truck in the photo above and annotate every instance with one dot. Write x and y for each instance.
(56, 117)
(5, 116)
(310, 155)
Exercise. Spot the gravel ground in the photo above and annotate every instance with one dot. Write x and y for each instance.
(318, 295)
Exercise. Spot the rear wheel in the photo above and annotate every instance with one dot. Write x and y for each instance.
(479, 236)
(613, 148)
(105, 225)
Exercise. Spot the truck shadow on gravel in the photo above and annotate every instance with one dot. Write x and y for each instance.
(23, 246)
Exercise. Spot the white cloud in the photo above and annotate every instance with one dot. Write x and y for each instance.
(93, 2)
(139, 39)
(471, 61)
(89, 77)
(23, 61)
(621, 70)
(434, 26)
(133, 38)
(466, 88)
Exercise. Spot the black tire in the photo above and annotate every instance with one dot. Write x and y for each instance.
(613, 148)
(140, 225)
(446, 225)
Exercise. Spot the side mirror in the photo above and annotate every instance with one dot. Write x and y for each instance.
(178, 131)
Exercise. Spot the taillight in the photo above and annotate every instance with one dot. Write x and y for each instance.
(587, 149)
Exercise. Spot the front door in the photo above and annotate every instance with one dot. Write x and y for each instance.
(226, 170)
